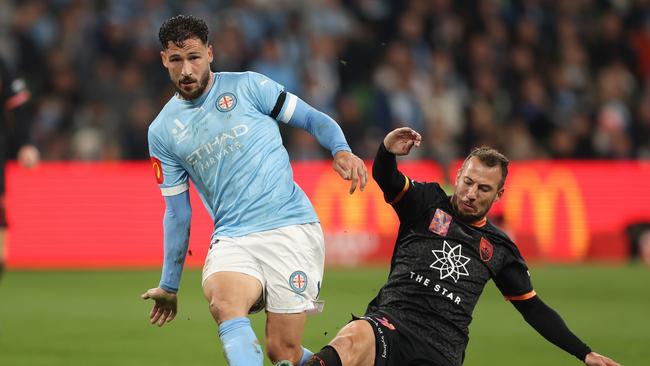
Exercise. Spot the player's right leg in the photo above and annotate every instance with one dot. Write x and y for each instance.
(354, 345)
(231, 295)
(232, 284)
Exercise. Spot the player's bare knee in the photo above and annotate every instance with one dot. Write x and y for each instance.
(344, 344)
(351, 342)
(278, 349)
(224, 309)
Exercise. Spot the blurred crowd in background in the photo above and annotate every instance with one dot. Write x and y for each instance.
(534, 78)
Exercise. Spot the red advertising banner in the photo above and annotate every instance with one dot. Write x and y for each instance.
(101, 215)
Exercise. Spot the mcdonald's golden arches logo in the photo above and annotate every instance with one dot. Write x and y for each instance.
(361, 212)
(157, 170)
(544, 195)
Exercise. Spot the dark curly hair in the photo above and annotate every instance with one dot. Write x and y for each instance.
(180, 28)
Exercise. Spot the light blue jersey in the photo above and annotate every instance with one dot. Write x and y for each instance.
(227, 142)
(230, 147)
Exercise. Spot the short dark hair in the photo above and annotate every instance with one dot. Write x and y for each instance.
(491, 158)
(180, 28)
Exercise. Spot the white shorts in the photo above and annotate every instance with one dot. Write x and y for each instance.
(287, 261)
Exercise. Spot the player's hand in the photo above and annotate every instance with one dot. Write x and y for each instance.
(594, 359)
(350, 167)
(400, 140)
(28, 156)
(164, 309)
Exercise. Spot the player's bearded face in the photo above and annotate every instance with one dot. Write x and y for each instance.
(189, 87)
(189, 67)
(477, 188)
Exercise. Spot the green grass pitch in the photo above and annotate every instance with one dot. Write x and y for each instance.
(97, 318)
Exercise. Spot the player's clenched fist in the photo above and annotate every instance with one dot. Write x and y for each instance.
(164, 308)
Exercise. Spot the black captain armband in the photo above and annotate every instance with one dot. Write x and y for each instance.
(278, 105)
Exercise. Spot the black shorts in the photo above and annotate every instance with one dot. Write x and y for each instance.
(396, 345)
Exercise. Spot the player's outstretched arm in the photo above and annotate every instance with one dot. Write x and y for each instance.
(299, 114)
(384, 169)
(550, 325)
(164, 307)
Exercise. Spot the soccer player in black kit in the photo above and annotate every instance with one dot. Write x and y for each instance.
(14, 134)
(445, 253)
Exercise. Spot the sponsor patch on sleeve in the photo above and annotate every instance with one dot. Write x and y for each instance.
(157, 170)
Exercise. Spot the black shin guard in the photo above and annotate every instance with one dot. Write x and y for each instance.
(2, 269)
(325, 357)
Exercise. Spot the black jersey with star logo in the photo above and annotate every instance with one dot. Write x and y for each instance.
(440, 264)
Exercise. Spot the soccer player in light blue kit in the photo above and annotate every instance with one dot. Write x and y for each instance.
(220, 130)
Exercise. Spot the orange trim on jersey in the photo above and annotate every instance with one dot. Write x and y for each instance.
(17, 100)
(525, 296)
(407, 185)
(480, 223)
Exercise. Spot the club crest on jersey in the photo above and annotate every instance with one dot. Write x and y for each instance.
(157, 170)
(486, 249)
(226, 102)
(440, 222)
(298, 281)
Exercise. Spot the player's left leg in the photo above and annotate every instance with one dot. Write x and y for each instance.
(284, 337)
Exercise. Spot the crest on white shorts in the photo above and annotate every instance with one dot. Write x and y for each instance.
(298, 281)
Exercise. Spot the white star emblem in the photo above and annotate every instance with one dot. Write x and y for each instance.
(450, 262)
